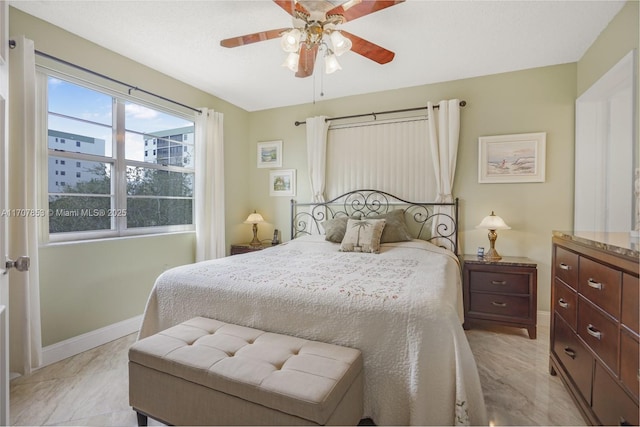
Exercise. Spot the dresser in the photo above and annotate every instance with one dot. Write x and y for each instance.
(594, 324)
(502, 292)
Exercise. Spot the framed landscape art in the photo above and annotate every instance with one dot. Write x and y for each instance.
(512, 158)
(270, 154)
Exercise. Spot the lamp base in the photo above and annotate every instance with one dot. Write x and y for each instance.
(492, 255)
(255, 241)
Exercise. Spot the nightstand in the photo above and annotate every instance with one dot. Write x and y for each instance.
(501, 292)
(243, 248)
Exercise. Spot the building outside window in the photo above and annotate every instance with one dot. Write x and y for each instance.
(152, 193)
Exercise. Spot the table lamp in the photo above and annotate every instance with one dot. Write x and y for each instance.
(492, 223)
(254, 218)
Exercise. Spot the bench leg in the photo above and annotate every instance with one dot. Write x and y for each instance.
(142, 419)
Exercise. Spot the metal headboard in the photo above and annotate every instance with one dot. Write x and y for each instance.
(420, 217)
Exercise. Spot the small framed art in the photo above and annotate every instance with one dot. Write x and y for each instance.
(270, 154)
(512, 158)
(282, 182)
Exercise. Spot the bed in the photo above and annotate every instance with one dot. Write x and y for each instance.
(401, 306)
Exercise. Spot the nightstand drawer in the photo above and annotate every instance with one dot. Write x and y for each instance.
(502, 305)
(500, 282)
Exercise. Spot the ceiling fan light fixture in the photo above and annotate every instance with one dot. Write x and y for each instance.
(290, 40)
(331, 64)
(292, 61)
(341, 44)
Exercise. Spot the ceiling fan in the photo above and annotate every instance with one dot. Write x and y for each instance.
(314, 25)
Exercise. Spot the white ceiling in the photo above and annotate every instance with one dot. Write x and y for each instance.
(434, 41)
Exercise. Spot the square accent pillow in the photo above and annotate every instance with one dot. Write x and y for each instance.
(335, 228)
(395, 229)
(363, 235)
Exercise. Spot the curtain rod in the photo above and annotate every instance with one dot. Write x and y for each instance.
(12, 44)
(462, 104)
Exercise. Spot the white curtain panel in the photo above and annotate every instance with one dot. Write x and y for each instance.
(317, 128)
(209, 191)
(389, 155)
(444, 132)
(24, 174)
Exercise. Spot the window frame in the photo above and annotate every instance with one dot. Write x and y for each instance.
(117, 161)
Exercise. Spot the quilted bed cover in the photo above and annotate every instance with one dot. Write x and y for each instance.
(402, 308)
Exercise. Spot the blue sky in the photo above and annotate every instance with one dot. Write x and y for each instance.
(76, 101)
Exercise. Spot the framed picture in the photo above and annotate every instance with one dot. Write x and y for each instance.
(270, 154)
(511, 158)
(282, 182)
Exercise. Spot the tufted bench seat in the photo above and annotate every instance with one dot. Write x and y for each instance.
(206, 372)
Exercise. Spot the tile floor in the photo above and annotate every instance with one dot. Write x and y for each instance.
(91, 388)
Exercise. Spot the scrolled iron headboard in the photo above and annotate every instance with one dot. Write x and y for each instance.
(434, 222)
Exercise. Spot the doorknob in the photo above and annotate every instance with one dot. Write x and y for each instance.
(20, 264)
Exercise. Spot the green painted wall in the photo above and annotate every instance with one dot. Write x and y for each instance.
(621, 36)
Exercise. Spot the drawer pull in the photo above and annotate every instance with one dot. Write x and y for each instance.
(623, 422)
(569, 352)
(498, 282)
(562, 303)
(564, 266)
(498, 304)
(591, 330)
(595, 285)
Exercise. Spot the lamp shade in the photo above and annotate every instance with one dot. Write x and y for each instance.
(292, 61)
(290, 40)
(340, 43)
(254, 218)
(331, 64)
(493, 222)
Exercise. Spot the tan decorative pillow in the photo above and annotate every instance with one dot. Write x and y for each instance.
(363, 235)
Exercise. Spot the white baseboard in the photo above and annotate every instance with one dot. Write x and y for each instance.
(76, 345)
(544, 318)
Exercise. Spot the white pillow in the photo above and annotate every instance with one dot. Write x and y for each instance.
(363, 235)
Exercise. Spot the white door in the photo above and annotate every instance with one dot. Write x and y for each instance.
(4, 278)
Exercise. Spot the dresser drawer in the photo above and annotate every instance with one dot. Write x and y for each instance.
(575, 358)
(565, 303)
(501, 305)
(629, 365)
(502, 282)
(611, 404)
(630, 298)
(566, 266)
(599, 332)
(601, 285)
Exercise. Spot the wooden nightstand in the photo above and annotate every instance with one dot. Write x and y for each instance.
(501, 292)
(243, 248)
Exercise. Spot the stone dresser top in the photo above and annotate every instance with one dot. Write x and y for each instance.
(620, 243)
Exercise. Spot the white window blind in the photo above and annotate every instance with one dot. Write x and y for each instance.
(392, 156)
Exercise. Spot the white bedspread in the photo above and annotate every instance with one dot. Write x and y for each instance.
(402, 308)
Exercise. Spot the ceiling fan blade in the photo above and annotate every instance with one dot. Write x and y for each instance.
(252, 38)
(368, 49)
(290, 6)
(307, 60)
(354, 9)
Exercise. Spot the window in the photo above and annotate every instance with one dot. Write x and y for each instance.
(119, 190)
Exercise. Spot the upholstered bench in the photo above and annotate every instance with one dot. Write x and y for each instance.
(206, 372)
